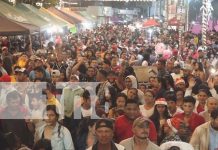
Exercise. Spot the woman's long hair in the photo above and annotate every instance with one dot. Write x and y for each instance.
(55, 110)
(155, 117)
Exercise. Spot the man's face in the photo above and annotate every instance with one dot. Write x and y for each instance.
(142, 88)
(104, 135)
(91, 72)
(132, 111)
(181, 85)
(202, 97)
(186, 72)
(13, 104)
(114, 61)
(94, 63)
(120, 102)
(98, 54)
(159, 65)
(20, 76)
(179, 95)
(212, 104)
(154, 82)
(214, 123)
(105, 66)
(128, 83)
(170, 65)
(171, 105)
(141, 132)
(188, 108)
(38, 63)
(132, 94)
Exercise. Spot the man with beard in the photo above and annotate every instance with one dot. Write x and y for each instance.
(140, 139)
(205, 136)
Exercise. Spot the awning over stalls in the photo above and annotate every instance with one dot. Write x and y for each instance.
(34, 17)
(9, 27)
(32, 28)
(44, 15)
(62, 15)
(56, 16)
(74, 15)
(86, 15)
(22, 15)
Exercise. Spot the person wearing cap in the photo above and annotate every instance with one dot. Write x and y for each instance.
(124, 123)
(39, 71)
(187, 70)
(171, 103)
(180, 83)
(6, 53)
(211, 104)
(140, 139)
(55, 75)
(177, 72)
(104, 134)
(171, 128)
(205, 136)
(22, 75)
(159, 116)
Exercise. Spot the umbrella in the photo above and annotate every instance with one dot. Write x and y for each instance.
(150, 23)
(173, 22)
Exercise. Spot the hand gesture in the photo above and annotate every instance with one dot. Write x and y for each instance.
(210, 83)
(191, 82)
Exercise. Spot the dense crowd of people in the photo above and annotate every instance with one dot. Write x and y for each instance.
(101, 104)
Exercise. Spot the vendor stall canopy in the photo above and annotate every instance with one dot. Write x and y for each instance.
(24, 13)
(9, 27)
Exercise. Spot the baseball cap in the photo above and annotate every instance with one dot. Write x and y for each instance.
(104, 123)
(55, 73)
(4, 47)
(187, 67)
(141, 122)
(23, 70)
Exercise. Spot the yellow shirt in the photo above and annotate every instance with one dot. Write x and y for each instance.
(54, 101)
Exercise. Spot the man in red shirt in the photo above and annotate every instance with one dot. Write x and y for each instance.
(190, 119)
(124, 123)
